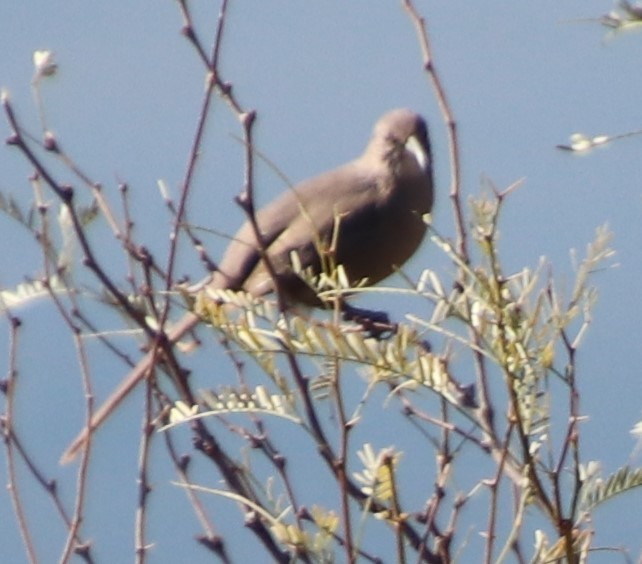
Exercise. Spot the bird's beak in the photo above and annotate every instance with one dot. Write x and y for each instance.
(414, 146)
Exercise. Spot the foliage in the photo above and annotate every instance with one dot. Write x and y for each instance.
(489, 376)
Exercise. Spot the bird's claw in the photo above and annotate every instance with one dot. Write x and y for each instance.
(376, 324)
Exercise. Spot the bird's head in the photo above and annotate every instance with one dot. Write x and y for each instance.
(400, 134)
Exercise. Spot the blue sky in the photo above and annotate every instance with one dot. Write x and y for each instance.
(521, 77)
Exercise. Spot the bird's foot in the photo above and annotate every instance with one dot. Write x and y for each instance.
(377, 324)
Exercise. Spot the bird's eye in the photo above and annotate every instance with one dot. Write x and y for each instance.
(422, 129)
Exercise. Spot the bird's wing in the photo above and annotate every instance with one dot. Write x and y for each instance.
(322, 206)
(242, 254)
(296, 221)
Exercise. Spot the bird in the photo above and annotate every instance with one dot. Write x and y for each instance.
(371, 213)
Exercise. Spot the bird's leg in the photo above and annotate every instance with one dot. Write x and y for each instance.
(377, 324)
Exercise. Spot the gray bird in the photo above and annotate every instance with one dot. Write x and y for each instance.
(373, 209)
